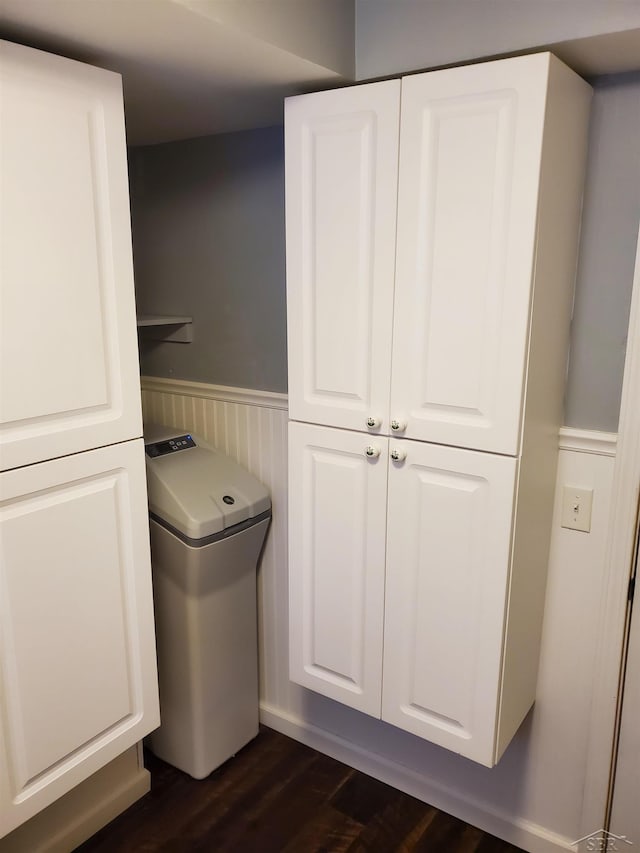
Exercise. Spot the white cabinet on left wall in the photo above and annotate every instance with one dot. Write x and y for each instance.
(78, 682)
(69, 370)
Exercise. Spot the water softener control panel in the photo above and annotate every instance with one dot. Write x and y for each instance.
(162, 448)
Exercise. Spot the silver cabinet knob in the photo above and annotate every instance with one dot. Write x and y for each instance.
(398, 426)
(373, 422)
(372, 452)
(398, 454)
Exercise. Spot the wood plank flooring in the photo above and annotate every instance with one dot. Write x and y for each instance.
(278, 796)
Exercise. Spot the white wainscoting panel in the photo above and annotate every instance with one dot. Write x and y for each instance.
(534, 797)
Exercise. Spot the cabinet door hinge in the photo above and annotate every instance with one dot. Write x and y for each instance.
(632, 589)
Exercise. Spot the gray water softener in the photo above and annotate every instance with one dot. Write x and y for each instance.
(208, 521)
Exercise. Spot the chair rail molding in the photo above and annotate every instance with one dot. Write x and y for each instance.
(207, 391)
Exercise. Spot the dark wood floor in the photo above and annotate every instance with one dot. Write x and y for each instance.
(278, 796)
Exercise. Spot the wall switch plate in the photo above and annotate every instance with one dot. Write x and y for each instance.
(576, 508)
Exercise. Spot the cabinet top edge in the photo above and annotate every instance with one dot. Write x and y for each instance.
(390, 84)
(45, 61)
(543, 62)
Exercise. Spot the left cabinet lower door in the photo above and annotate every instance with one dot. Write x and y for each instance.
(69, 366)
(78, 681)
(337, 521)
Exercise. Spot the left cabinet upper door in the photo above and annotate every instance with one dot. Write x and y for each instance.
(341, 187)
(78, 680)
(69, 367)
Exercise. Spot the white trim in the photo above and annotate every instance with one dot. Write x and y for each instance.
(616, 578)
(85, 824)
(588, 441)
(522, 833)
(75, 817)
(580, 440)
(186, 388)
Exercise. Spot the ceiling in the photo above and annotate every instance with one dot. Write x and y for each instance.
(198, 67)
(195, 67)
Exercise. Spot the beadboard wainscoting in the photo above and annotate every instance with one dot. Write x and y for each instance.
(534, 797)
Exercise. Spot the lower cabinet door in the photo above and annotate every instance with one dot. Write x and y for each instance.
(337, 525)
(78, 680)
(448, 556)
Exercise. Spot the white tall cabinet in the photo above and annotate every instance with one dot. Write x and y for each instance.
(432, 227)
(77, 654)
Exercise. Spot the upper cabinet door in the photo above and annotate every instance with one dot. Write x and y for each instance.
(470, 152)
(69, 366)
(447, 576)
(342, 163)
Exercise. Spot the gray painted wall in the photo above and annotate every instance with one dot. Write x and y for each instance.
(208, 239)
(393, 36)
(607, 254)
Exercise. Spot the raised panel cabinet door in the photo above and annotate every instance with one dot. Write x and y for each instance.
(448, 551)
(337, 508)
(78, 679)
(69, 365)
(470, 153)
(341, 189)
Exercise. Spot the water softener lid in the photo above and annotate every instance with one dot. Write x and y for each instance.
(196, 488)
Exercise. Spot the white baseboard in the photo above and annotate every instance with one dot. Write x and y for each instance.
(103, 812)
(83, 811)
(522, 833)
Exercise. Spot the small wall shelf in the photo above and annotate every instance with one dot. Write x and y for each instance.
(163, 327)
